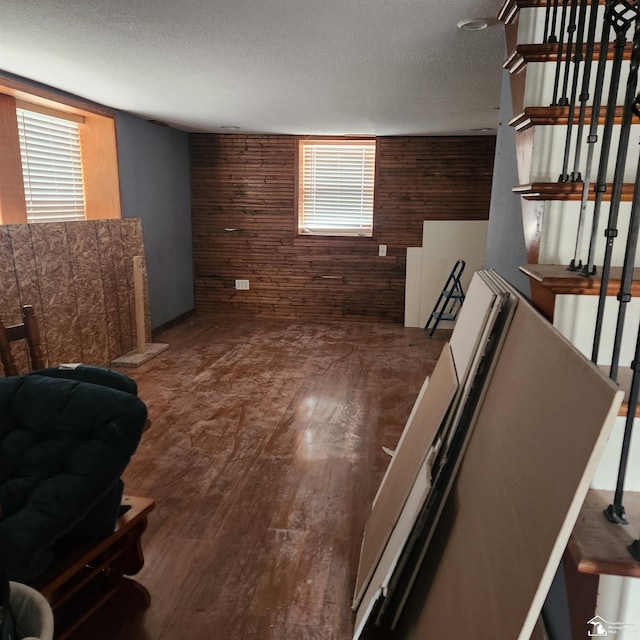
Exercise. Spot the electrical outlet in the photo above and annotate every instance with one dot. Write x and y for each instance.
(242, 285)
(382, 250)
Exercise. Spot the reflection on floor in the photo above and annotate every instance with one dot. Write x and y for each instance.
(264, 454)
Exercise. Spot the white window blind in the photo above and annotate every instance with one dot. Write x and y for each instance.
(336, 183)
(51, 167)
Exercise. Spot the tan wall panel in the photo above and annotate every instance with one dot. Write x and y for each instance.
(131, 231)
(10, 296)
(113, 319)
(78, 277)
(10, 307)
(123, 277)
(57, 295)
(88, 290)
(24, 262)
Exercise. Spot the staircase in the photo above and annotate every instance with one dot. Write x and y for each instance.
(543, 53)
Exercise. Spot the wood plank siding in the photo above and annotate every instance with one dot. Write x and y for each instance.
(243, 208)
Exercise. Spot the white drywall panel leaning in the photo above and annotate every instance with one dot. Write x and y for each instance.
(470, 323)
(444, 242)
(541, 429)
(413, 276)
(451, 444)
(427, 415)
(392, 549)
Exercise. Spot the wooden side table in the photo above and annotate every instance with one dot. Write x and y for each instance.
(78, 584)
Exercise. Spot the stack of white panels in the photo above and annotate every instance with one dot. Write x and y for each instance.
(454, 514)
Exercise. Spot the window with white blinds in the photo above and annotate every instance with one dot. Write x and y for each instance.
(335, 187)
(51, 167)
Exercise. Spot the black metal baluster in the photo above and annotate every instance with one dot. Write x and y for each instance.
(556, 81)
(592, 138)
(621, 16)
(571, 32)
(610, 20)
(624, 296)
(584, 92)
(564, 176)
(552, 39)
(547, 15)
(615, 512)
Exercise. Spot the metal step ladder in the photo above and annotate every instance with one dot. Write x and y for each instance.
(450, 300)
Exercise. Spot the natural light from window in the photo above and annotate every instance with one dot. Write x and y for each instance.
(51, 167)
(335, 187)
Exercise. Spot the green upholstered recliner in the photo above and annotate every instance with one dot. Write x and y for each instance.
(64, 442)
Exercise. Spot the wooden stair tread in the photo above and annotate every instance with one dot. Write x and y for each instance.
(571, 191)
(560, 281)
(600, 547)
(625, 374)
(554, 115)
(526, 53)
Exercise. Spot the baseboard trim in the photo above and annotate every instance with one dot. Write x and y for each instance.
(172, 323)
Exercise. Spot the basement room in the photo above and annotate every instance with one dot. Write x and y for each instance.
(319, 321)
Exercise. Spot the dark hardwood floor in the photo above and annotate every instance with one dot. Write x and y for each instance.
(264, 455)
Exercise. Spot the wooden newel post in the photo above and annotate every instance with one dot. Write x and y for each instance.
(138, 289)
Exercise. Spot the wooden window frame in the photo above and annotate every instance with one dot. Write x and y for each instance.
(298, 187)
(97, 142)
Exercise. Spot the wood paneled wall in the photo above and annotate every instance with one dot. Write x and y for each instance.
(243, 225)
(79, 278)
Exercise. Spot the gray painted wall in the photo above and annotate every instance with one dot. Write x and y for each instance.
(155, 187)
(505, 241)
(506, 251)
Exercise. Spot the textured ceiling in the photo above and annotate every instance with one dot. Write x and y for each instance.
(334, 67)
